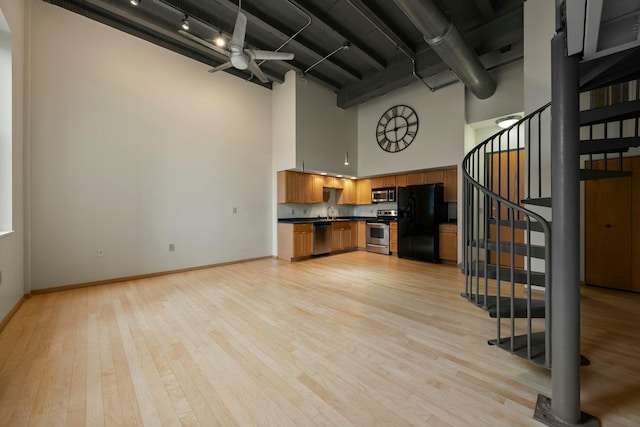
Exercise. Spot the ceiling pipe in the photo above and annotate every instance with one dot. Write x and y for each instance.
(447, 41)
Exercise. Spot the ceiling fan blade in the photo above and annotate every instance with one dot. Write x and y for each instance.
(269, 54)
(237, 41)
(221, 67)
(253, 67)
(204, 43)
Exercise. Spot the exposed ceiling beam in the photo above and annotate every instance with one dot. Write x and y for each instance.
(503, 31)
(261, 22)
(486, 9)
(340, 32)
(382, 26)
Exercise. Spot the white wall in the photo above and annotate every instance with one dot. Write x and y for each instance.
(12, 249)
(135, 147)
(440, 138)
(508, 98)
(283, 105)
(327, 132)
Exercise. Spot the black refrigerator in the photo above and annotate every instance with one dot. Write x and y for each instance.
(421, 209)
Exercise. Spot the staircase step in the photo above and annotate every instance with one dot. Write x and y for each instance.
(537, 348)
(520, 224)
(609, 145)
(519, 306)
(625, 110)
(591, 174)
(519, 275)
(538, 201)
(537, 251)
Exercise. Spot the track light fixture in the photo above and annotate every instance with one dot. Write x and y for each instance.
(135, 2)
(185, 23)
(220, 41)
(346, 158)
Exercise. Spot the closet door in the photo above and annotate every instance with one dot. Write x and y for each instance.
(608, 219)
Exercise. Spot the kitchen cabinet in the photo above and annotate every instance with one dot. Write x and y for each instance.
(401, 180)
(451, 185)
(348, 195)
(416, 178)
(362, 234)
(287, 186)
(390, 181)
(340, 236)
(393, 237)
(377, 182)
(295, 241)
(354, 234)
(333, 182)
(313, 188)
(434, 176)
(363, 192)
(383, 181)
(448, 243)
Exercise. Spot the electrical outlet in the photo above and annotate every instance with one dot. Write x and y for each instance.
(172, 247)
(304, 211)
(235, 210)
(100, 253)
(293, 211)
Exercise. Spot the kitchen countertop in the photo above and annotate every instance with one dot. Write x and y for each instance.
(321, 219)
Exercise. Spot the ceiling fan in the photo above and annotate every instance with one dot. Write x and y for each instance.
(239, 57)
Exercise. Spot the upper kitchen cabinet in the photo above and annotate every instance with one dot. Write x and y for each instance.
(383, 181)
(401, 180)
(333, 182)
(434, 176)
(348, 195)
(451, 185)
(296, 187)
(363, 192)
(416, 178)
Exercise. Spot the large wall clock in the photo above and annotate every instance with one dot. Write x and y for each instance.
(397, 128)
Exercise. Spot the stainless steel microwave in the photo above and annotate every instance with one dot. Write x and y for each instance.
(381, 195)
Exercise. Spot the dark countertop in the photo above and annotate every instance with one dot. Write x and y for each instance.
(321, 219)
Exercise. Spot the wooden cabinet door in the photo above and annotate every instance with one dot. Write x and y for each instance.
(336, 234)
(345, 238)
(377, 182)
(308, 243)
(354, 235)
(299, 243)
(390, 181)
(362, 234)
(287, 187)
(451, 185)
(416, 178)
(401, 180)
(348, 194)
(433, 177)
(393, 237)
(364, 192)
(608, 228)
(448, 246)
(314, 184)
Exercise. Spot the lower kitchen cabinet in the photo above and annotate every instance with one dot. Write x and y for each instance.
(341, 236)
(449, 243)
(393, 237)
(295, 241)
(362, 235)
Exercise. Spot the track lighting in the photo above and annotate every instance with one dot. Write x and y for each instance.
(135, 2)
(185, 23)
(220, 41)
(346, 158)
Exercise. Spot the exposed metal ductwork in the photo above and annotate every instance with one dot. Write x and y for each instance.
(447, 41)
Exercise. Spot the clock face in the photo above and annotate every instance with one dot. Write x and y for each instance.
(397, 128)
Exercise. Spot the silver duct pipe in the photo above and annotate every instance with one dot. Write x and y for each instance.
(447, 41)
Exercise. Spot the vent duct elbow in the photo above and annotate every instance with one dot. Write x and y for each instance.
(447, 41)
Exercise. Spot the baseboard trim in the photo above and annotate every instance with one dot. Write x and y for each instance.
(141, 276)
(11, 313)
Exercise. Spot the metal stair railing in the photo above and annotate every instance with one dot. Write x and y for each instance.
(500, 208)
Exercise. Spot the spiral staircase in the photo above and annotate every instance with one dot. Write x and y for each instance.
(507, 213)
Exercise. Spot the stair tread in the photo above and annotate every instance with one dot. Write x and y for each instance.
(608, 145)
(537, 348)
(520, 306)
(537, 251)
(591, 174)
(519, 275)
(538, 201)
(622, 111)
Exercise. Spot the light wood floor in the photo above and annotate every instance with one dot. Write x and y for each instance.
(354, 339)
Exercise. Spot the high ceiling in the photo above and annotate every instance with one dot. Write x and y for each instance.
(387, 47)
(384, 44)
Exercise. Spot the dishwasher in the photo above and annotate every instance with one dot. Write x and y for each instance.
(321, 238)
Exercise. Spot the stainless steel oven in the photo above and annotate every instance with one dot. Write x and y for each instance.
(378, 231)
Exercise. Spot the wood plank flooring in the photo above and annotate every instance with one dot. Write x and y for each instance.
(354, 339)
